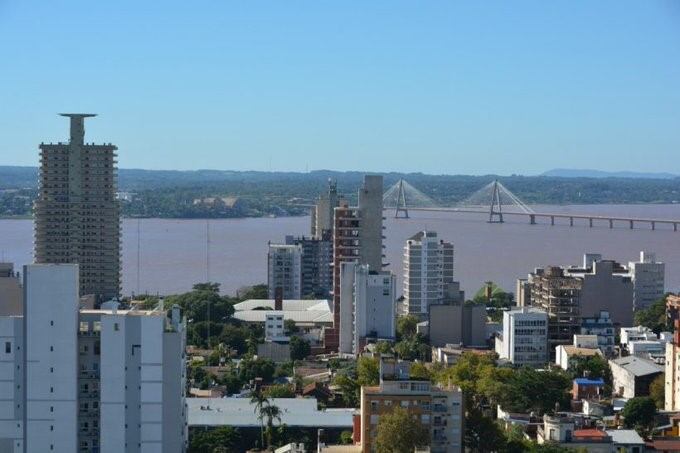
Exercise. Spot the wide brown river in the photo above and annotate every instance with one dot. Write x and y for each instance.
(172, 253)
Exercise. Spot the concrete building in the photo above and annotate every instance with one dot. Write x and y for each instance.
(567, 293)
(77, 215)
(637, 333)
(648, 276)
(357, 236)
(428, 268)
(12, 403)
(632, 375)
(11, 294)
(566, 354)
(600, 325)
(367, 306)
(284, 270)
(440, 409)
(104, 380)
(304, 262)
(672, 365)
(457, 323)
(322, 218)
(524, 340)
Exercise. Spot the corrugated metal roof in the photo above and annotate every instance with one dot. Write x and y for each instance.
(300, 311)
(638, 366)
(288, 304)
(625, 436)
(239, 412)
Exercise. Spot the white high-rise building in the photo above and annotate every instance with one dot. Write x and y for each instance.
(428, 268)
(105, 380)
(525, 337)
(285, 270)
(367, 306)
(648, 280)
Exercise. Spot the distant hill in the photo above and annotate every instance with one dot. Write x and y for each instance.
(173, 194)
(586, 173)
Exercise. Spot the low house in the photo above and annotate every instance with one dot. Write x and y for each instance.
(565, 354)
(587, 389)
(632, 375)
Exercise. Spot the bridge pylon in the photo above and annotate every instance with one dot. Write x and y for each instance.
(496, 208)
(401, 202)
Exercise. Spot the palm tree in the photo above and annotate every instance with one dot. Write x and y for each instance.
(271, 413)
(260, 400)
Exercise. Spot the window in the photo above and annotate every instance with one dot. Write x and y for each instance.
(116, 327)
(8, 347)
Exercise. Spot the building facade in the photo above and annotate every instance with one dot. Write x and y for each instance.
(457, 323)
(284, 270)
(648, 276)
(357, 237)
(367, 306)
(440, 409)
(525, 337)
(11, 294)
(104, 380)
(77, 215)
(428, 268)
(600, 325)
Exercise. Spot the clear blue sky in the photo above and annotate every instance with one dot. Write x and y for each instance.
(433, 86)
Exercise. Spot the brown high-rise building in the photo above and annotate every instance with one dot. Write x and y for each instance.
(77, 215)
(357, 237)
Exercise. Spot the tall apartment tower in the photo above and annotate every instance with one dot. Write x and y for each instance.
(672, 364)
(648, 280)
(284, 270)
(77, 216)
(428, 269)
(357, 236)
(322, 213)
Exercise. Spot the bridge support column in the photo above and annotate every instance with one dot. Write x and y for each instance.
(532, 219)
(653, 225)
(552, 220)
(611, 223)
(632, 224)
(571, 221)
(675, 226)
(590, 222)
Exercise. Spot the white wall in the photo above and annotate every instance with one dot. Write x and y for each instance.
(51, 312)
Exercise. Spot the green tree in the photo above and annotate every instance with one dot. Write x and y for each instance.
(254, 368)
(639, 413)
(260, 291)
(211, 440)
(482, 434)
(349, 388)
(383, 347)
(657, 391)
(280, 391)
(346, 437)
(594, 367)
(654, 317)
(407, 326)
(299, 348)
(368, 371)
(399, 432)
(538, 391)
(271, 414)
(232, 382)
(420, 371)
(290, 327)
(259, 400)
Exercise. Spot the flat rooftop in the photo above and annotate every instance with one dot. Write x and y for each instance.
(240, 412)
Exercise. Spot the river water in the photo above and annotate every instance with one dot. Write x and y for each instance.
(173, 257)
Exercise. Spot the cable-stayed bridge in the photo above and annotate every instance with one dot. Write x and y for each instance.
(498, 202)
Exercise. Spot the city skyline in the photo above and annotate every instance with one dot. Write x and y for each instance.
(468, 89)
